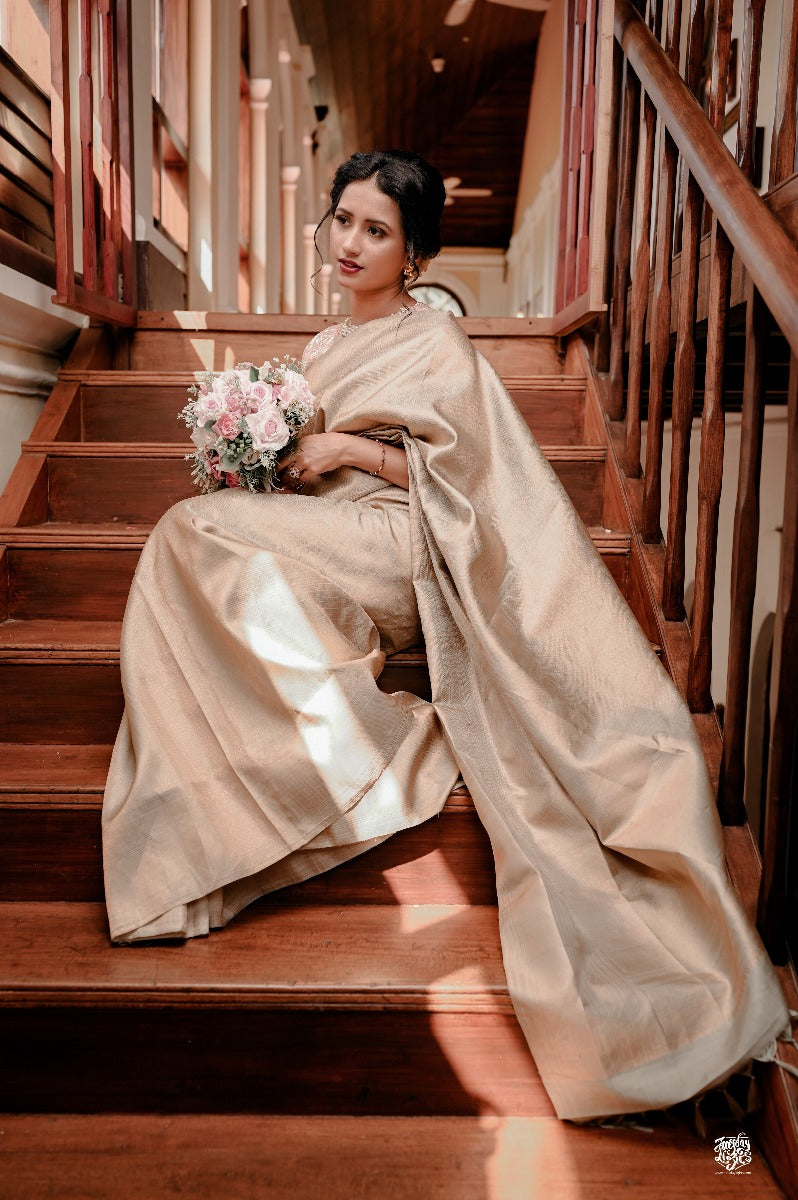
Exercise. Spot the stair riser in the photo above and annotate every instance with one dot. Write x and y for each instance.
(55, 854)
(365, 1062)
(142, 413)
(81, 585)
(204, 350)
(81, 702)
(93, 584)
(139, 490)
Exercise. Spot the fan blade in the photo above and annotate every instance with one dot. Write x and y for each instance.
(451, 182)
(472, 193)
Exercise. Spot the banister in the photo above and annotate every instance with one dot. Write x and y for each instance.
(769, 255)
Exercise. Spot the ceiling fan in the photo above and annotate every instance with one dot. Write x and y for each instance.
(460, 10)
(453, 189)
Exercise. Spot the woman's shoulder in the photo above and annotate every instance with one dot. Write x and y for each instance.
(319, 344)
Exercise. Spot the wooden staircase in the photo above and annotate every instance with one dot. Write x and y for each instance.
(354, 1029)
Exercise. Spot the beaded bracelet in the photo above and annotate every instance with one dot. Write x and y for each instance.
(382, 462)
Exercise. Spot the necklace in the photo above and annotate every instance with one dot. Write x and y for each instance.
(346, 326)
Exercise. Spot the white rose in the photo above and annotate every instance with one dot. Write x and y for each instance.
(202, 437)
(268, 429)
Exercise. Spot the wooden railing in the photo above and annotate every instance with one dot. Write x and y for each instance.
(674, 120)
(26, 175)
(100, 212)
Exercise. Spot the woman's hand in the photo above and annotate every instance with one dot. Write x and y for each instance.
(316, 455)
(319, 453)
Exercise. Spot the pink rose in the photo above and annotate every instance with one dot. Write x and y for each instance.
(231, 480)
(261, 392)
(268, 429)
(228, 426)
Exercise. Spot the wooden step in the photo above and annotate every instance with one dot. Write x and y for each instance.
(75, 694)
(123, 482)
(44, 571)
(374, 1009)
(50, 806)
(143, 406)
(250, 1157)
(214, 341)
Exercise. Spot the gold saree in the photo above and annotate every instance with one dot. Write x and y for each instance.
(256, 749)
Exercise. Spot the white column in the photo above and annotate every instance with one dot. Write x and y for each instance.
(335, 303)
(226, 91)
(214, 52)
(259, 90)
(310, 266)
(200, 163)
(325, 276)
(289, 178)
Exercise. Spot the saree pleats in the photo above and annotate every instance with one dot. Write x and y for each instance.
(253, 638)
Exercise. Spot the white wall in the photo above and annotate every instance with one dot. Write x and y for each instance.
(477, 278)
(34, 332)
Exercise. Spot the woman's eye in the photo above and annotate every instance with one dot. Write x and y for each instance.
(376, 231)
(341, 220)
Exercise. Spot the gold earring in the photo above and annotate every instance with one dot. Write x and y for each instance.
(409, 272)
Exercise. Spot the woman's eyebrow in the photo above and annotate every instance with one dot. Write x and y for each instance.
(368, 220)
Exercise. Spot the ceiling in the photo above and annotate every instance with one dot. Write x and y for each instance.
(374, 72)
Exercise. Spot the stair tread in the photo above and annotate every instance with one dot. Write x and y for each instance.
(554, 451)
(81, 768)
(130, 377)
(433, 957)
(78, 634)
(53, 768)
(95, 1157)
(79, 640)
(79, 533)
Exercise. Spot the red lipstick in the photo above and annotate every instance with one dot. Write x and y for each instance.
(348, 267)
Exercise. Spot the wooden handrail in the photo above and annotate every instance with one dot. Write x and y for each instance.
(769, 255)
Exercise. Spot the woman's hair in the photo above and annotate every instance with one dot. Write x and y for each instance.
(408, 179)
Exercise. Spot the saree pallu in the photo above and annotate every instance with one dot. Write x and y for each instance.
(633, 971)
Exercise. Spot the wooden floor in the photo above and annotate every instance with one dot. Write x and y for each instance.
(358, 1158)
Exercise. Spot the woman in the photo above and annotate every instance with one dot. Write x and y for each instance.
(256, 628)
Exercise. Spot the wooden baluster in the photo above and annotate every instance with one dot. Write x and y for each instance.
(587, 135)
(109, 279)
(731, 784)
(713, 424)
(124, 127)
(575, 149)
(783, 760)
(661, 308)
(684, 365)
(623, 238)
(62, 155)
(640, 281)
(603, 337)
(782, 154)
(565, 177)
(86, 111)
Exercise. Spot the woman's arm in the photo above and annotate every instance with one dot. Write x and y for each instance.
(319, 453)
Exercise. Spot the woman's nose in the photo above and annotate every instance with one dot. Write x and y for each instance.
(351, 244)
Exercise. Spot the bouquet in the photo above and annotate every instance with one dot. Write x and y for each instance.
(243, 420)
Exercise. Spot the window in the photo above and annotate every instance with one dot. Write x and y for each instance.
(438, 296)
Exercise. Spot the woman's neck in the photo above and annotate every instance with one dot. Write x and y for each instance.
(382, 304)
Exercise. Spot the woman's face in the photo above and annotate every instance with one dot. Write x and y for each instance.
(367, 243)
